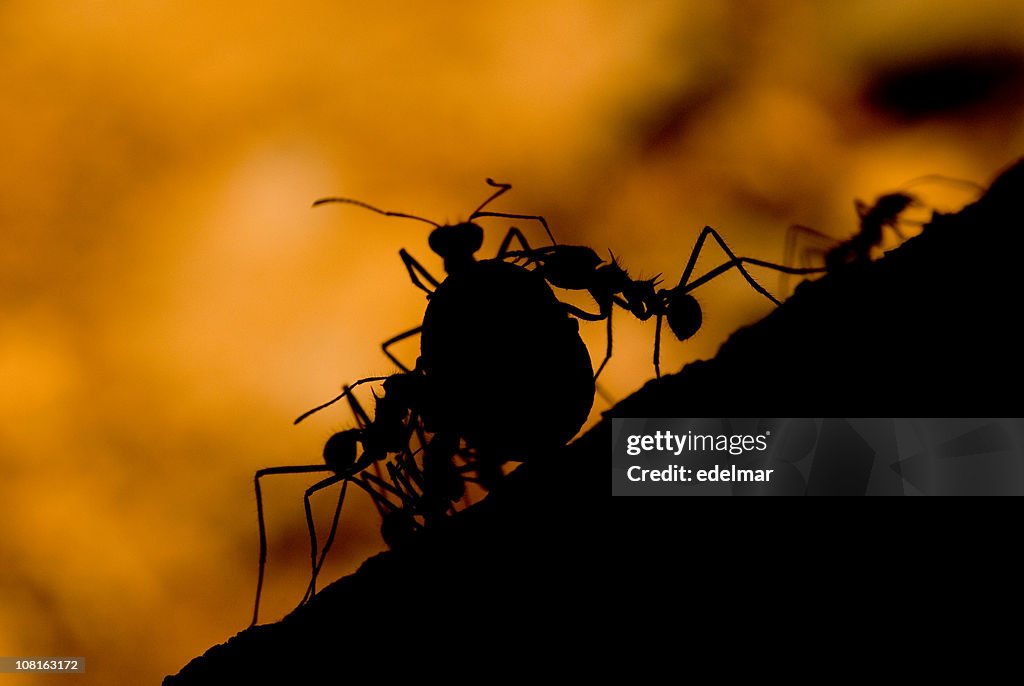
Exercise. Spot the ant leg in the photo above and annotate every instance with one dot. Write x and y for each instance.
(513, 234)
(384, 486)
(407, 458)
(581, 314)
(506, 215)
(310, 590)
(793, 234)
(395, 339)
(333, 479)
(381, 502)
(708, 231)
(657, 346)
(298, 469)
(408, 495)
(412, 266)
(608, 348)
(738, 263)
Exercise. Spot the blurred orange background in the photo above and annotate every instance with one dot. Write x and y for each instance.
(171, 302)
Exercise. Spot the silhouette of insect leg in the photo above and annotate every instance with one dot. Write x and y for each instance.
(738, 263)
(311, 590)
(295, 469)
(397, 339)
(507, 215)
(506, 242)
(734, 261)
(416, 270)
(816, 245)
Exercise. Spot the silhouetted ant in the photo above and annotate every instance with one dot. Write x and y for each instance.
(886, 213)
(388, 433)
(873, 220)
(426, 490)
(579, 268)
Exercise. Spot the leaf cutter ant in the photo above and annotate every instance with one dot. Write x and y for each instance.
(580, 268)
(872, 220)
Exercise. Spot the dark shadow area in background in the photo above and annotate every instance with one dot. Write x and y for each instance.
(947, 85)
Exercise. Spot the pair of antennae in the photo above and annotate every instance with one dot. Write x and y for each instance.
(502, 189)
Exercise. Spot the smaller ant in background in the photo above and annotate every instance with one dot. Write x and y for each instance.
(872, 221)
(575, 267)
(886, 213)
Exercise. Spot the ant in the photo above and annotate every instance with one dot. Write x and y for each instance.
(428, 492)
(388, 434)
(886, 213)
(872, 221)
(580, 268)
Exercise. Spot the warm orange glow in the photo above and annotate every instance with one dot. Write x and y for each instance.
(171, 301)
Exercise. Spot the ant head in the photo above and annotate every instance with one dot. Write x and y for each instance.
(399, 384)
(894, 203)
(340, 450)
(458, 242)
(683, 314)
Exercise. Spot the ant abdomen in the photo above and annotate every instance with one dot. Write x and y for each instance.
(340, 450)
(683, 314)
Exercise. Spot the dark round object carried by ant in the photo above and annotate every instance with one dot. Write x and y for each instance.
(504, 362)
(501, 361)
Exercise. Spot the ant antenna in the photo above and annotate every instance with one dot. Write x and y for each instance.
(930, 178)
(358, 203)
(502, 189)
(348, 389)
